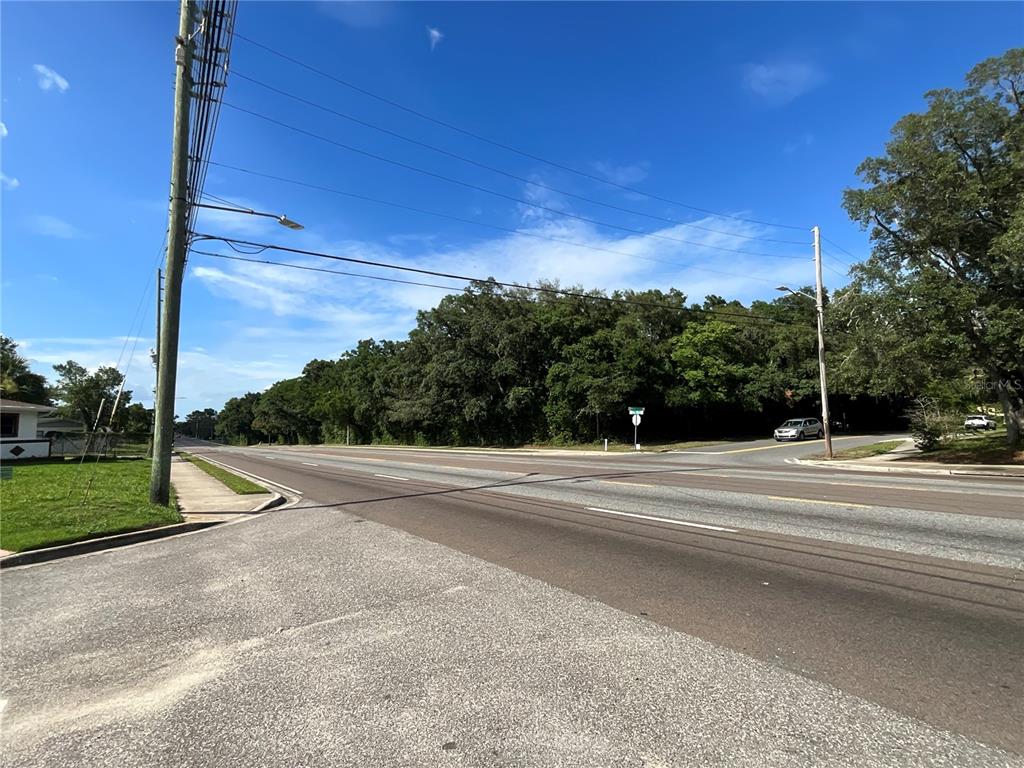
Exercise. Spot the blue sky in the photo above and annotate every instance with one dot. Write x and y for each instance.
(759, 111)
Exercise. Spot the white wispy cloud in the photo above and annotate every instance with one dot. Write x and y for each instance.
(361, 15)
(540, 196)
(49, 79)
(9, 182)
(801, 142)
(3, 130)
(627, 175)
(275, 319)
(781, 83)
(52, 226)
(435, 36)
(93, 352)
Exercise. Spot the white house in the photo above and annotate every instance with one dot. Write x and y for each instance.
(18, 428)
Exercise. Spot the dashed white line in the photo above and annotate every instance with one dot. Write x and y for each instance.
(820, 501)
(310, 464)
(390, 477)
(662, 520)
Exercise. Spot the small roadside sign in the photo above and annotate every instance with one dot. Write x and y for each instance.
(636, 419)
(636, 411)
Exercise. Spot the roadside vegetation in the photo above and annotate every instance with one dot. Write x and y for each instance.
(235, 482)
(987, 448)
(507, 366)
(46, 504)
(866, 451)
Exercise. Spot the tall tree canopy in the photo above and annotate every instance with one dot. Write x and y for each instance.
(17, 381)
(943, 290)
(82, 394)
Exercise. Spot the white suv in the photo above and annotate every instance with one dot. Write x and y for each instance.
(979, 422)
(798, 429)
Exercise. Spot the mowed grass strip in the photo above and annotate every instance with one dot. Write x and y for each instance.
(44, 505)
(987, 448)
(235, 482)
(864, 451)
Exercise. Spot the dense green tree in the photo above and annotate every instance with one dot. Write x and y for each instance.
(283, 412)
(90, 397)
(235, 420)
(136, 419)
(17, 381)
(199, 424)
(943, 291)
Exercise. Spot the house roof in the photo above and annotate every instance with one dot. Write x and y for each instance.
(58, 424)
(17, 405)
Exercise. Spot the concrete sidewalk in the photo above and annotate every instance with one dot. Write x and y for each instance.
(897, 460)
(203, 497)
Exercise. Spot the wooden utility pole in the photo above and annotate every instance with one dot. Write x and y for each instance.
(167, 344)
(820, 303)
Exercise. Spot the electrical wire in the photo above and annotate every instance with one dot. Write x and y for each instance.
(488, 225)
(500, 145)
(512, 198)
(836, 245)
(508, 174)
(230, 241)
(489, 281)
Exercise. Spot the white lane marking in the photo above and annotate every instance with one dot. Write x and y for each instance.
(390, 477)
(820, 501)
(269, 457)
(310, 464)
(255, 477)
(662, 520)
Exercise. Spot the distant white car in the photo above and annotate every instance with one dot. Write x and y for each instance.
(979, 422)
(798, 429)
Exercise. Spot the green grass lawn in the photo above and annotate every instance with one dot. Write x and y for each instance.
(986, 448)
(230, 479)
(864, 451)
(43, 505)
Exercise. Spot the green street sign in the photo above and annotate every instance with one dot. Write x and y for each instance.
(635, 411)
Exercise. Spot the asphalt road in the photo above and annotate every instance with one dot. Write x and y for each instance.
(833, 574)
(901, 592)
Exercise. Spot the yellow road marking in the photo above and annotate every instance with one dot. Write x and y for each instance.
(819, 501)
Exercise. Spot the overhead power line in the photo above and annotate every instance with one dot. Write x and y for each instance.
(512, 198)
(508, 174)
(233, 242)
(506, 147)
(488, 225)
(837, 245)
(209, 74)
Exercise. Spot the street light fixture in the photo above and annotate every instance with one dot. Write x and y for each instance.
(280, 218)
(169, 312)
(819, 303)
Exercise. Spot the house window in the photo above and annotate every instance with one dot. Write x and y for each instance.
(9, 424)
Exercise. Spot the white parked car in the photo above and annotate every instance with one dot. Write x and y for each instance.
(979, 422)
(798, 429)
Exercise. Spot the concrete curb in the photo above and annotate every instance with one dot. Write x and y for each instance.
(866, 467)
(273, 503)
(101, 543)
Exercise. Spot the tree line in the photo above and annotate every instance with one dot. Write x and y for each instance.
(937, 310)
(496, 366)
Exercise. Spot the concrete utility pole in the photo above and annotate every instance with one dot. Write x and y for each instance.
(820, 303)
(167, 344)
